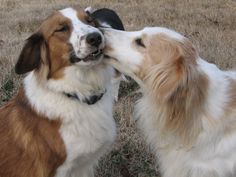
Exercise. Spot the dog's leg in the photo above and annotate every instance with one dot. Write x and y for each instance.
(116, 86)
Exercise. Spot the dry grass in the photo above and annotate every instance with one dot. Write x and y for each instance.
(210, 24)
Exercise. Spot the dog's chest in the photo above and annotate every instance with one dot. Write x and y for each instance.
(88, 135)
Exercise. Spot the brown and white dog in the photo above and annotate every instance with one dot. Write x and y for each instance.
(60, 122)
(188, 108)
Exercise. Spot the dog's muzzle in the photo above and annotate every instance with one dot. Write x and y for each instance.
(94, 40)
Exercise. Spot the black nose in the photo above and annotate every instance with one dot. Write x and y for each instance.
(94, 39)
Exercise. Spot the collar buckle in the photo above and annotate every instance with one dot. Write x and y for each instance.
(93, 99)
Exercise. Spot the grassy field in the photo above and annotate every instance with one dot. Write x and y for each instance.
(210, 24)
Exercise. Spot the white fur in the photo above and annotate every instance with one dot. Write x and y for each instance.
(77, 39)
(123, 40)
(213, 152)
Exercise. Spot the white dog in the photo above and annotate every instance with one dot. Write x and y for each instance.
(188, 108)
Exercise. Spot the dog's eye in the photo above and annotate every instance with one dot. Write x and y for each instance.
(139, 42)
(62, 28)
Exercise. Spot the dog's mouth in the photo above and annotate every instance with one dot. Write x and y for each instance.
(94, 56)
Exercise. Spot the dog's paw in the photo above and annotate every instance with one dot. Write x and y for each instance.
(116, 86)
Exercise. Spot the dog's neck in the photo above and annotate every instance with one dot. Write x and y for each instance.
(55, 99)
(93, 99)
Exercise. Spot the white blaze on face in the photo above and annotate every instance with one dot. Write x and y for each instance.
(79, 32)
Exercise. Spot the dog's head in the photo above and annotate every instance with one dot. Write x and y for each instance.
(140, 51)
(165, 63)
(67, 37)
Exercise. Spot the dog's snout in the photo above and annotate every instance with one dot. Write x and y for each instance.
(94, 39)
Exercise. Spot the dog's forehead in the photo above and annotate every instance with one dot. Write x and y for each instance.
(76, 16)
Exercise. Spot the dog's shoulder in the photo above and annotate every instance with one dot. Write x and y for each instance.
(25, 137)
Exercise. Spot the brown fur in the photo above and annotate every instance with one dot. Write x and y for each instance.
(176, 85)
(30, 144)
(57, 46)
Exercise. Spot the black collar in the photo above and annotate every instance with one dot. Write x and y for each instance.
(90, 100)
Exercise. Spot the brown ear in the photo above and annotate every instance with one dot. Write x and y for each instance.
(30, 56)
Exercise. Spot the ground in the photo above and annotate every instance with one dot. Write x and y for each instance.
(210, 24)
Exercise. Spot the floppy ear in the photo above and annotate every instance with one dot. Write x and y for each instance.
(180, 88)
(30, 57)
(108, 17)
